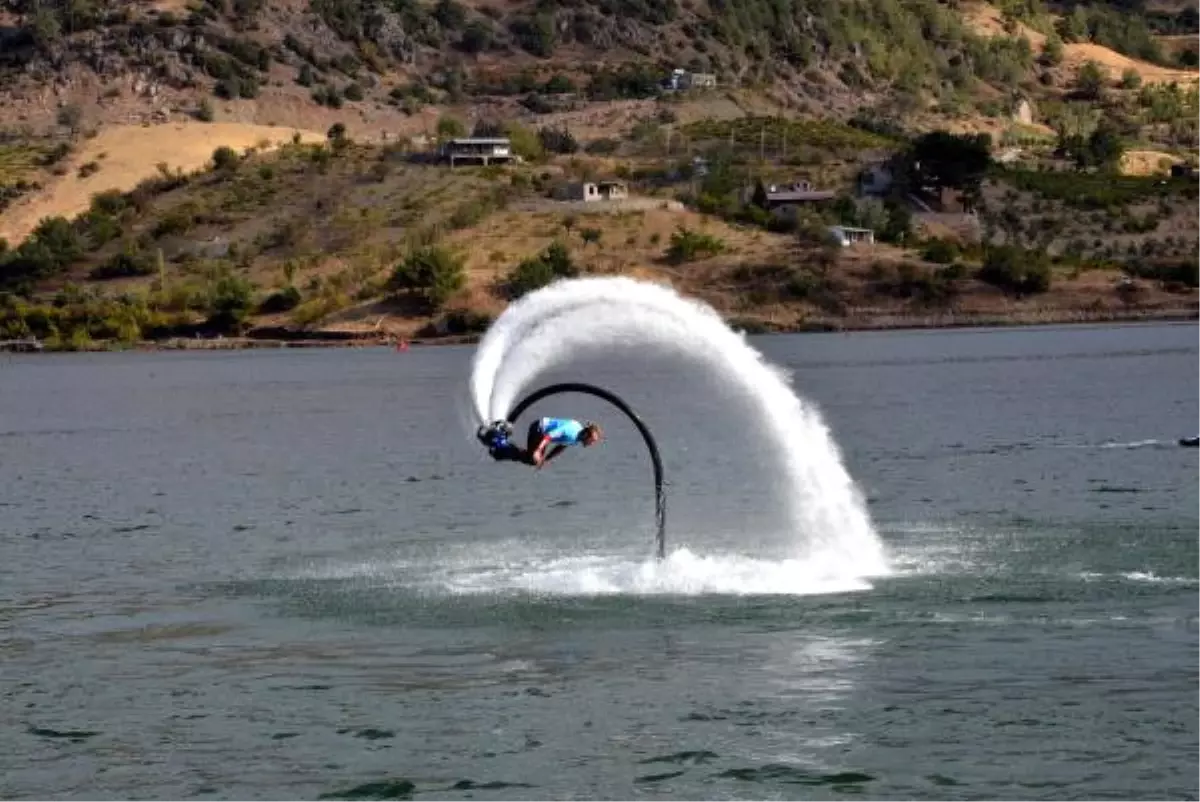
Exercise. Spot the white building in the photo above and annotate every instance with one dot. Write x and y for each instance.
(477, 150)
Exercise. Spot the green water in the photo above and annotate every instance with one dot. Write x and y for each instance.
(283, 575)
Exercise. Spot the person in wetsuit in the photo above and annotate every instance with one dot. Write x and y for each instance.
(543, 432)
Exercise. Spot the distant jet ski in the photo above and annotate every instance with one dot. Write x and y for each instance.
(1193, 442)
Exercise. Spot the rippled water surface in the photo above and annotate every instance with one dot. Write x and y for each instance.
(292, 574)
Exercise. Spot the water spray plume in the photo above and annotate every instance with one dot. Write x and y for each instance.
(567, 319)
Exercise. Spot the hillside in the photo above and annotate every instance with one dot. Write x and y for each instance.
(309, 63)
(219, 166)
(343, 237)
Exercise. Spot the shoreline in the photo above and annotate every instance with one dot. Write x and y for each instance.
(342, 339)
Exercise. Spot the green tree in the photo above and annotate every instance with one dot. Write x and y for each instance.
(940, 159)
(535, 34)
(525, 142)
(433, 274)
(1105, 147)
(687, 245)
(450, 128)
(1074, 27)
(231, 303)
(450, 14)
(1052, 51)
(337, 137)
(225, 158)
(476, 37)
(531, 274)
(1016, 270)
(70, 117)
(1089, 81)
(204, 111)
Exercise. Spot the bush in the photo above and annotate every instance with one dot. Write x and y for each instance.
(1090, 80)
(465, 321)
(535, 34)
(557, 141)
(52, 247)
(225, 158)
(450, 128)
(940, 251)
(131, 261)
(476, 37)
(280, 301)
(1185, 272)
(532, 274)
(230, 304)
(433, 274)
(1016, 270)
(687, 246)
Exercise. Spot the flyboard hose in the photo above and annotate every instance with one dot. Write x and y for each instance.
(660, 501)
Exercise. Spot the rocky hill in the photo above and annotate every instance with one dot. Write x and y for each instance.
(376, 63)
(165, 157)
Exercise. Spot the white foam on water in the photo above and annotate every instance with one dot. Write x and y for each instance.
(548, 328)
(509, 568)
(682, 572)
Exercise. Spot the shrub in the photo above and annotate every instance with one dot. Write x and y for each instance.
(225, 158)
(940, 251)
(450, 128)
(465, 321)
(230, 304)
(52, 247)
(131, 261)
(432, 273)
(1016, 270)
(1089, 81)
(687, 245)
(558, 141)
(280, 301)
(476, 37)
(532, 274)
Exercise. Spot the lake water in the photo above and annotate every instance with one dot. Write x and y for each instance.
(287, 574)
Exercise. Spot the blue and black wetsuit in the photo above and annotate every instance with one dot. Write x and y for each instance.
(561, 431)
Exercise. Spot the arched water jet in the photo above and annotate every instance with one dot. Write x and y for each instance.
(556, 324)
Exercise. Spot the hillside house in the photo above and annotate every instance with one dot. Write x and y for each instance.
(597, 191)
(847, 236)
(681, 80)
(783, 200)
(477, 150)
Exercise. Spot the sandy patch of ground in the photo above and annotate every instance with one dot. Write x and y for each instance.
(1147, 162)
(127, 155)
(986, 20)
(1075, 55)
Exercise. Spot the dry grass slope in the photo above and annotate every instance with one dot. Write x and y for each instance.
(126, 155)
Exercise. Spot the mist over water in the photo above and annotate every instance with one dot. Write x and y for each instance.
(832, 530)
